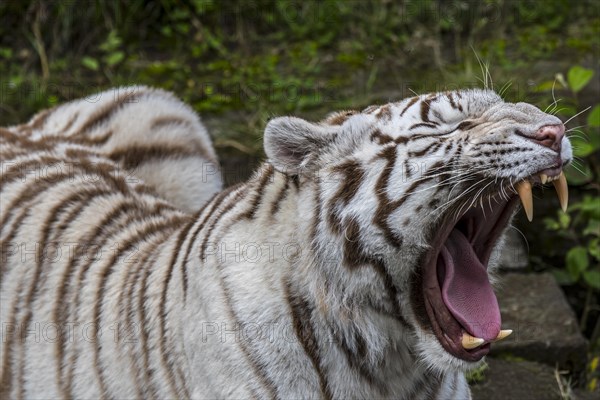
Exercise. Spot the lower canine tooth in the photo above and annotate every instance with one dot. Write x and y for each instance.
(524, 190)
(469, 342)
(503, 334)
(562, 190)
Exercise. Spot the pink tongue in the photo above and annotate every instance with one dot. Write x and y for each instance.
(466, 289)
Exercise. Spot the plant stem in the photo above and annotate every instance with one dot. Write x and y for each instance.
(586, 309)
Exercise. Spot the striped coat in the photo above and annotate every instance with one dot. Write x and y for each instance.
(127, 271)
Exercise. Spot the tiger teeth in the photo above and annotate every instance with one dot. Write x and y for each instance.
(503, 334)
(524, 190)
(562, 190)
(469, 342)
(544, 178)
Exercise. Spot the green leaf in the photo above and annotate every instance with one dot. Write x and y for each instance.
(594, 138)
(6, 52)
(562, 277)
(592, 278)
(594, 248)
(582, 147)
(90, 63)
(593, 228)
(593, 119)
(578, 77)
(545, 86)
(114, 58)
(112, 42)
(577, 261)
(590, 207)
(564, 220)
(551, 224)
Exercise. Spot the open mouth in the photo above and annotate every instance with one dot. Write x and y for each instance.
(458, 296)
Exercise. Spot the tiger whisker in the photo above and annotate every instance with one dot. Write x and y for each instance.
(511, 226)
(576, 115)
(505, 88)
(575, 128)
(555, 102)
(578, 168)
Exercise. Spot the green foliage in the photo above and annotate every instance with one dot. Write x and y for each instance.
(90, 63)
(477, 375)
(580, 227)
(594, 117)
(577, 262)
(578, 77)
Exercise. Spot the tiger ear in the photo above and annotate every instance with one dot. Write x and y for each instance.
(292, 144)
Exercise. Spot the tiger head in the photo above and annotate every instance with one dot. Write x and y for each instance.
(415, 197)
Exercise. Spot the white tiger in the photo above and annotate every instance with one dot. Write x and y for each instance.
(355, 262)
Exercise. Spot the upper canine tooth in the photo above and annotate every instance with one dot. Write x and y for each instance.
(503, 334)
(544, 178)
(469, 342)
(562, 190)
(524, 190)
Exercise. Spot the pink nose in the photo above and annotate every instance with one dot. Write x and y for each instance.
(550, 136)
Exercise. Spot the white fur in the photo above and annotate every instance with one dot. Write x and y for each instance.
(287, 290)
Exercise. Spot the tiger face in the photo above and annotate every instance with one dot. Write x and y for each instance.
(411, 200)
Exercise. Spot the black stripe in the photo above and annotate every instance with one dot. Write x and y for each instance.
(169, 120)
(163, 300)
(20, 169)
(316, 219)
(34, 288)
(258, 367)
(144, 330)
(134, 156)
(424, 124)
(451, 100)
(38, 187)
(354, 257)
(382, 138)
(433, 389)
(109, 111)
(280, 197)
(69, 124)
(426, 107)
(208, 212)
(356, 359)
(152, 228)
(100, 237)
(177, 250)
(410, 103)
(436, 135)
(384, 205)
(7, 372)
(301, 312)
(60, 296)
(259, 189)
(466, 125)
(385, 113)
(125, 312)
(431, 148)
(40, 119)
(218, 214)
